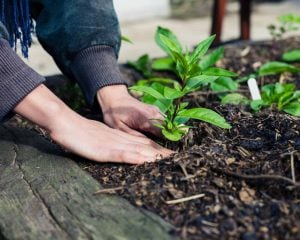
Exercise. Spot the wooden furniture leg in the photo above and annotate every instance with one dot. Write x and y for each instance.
(217, 20)
(245, 14)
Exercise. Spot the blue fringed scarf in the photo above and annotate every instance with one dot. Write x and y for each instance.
(15, 16)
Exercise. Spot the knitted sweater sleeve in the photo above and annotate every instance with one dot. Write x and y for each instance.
(16, 79)
(83, 39)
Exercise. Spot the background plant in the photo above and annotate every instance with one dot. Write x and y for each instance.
(287, 23)
(283, 97)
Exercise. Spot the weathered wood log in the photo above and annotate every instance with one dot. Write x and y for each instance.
(45, 195)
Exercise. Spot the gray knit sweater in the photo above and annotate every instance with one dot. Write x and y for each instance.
(85, 50)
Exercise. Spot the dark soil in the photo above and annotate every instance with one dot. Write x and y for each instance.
(243, 180)
(243, 177)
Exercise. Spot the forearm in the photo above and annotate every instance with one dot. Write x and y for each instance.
(42, 107)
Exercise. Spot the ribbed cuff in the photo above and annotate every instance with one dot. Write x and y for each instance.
(16, 80)
(94, 68)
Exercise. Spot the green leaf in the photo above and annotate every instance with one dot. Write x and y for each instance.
(142, 64)
(279, 89)
(293, 109)
(224, 84)
(181, 120)
(169, 45)
(235, 99)
(205, 115)
(268, 91)
(163, 81)
(158, 87)
(195, 82)
(272, 68)
(211, 59)
(171, 93)
(213, 71)
(174, 136)
(181, 63)
(289, 18)
(126, 39)
(162, 104)
(256, 105)
(272, 93)
(288, 97)
(143, 82)
(163, 64)
(168, 34)
(183, 105)
(292, 56)
(148, 90)
(201, 49)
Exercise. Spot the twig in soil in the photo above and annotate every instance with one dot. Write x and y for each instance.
(181, 200)
(289, 153)
(108, 190)
(187, 176)
(257, 177)
(293, 168)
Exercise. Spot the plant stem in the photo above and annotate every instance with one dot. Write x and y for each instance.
(177, 106)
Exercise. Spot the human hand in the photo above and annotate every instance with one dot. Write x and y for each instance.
(98, 142)
(90, 139)
(122, 111)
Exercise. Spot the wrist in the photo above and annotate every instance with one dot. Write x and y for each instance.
(109, 94)
(42, 107)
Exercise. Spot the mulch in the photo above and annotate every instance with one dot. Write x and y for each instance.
(236, 184)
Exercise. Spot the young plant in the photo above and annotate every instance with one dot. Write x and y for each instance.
(191, 75)
(292, 56)
(205, 64)
(282, 96)
(274, 67)
(143, 65)
(287, 23)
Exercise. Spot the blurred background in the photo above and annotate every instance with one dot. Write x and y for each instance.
(190, 20)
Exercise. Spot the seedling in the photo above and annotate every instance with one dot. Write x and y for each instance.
(170, 98)
(284, 97)
(272, 68)
(287, 23)
(292, 56)
(205, 63)
(142, 64)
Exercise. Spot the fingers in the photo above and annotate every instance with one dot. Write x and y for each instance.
(144, 142)
(152, 115)
(131, 154)
(140, 138)
(123, 127)
(139, 154)
(125, 156)
(123, 137)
